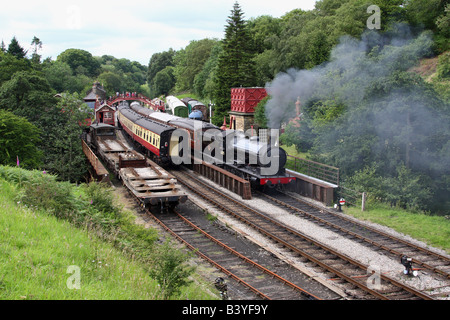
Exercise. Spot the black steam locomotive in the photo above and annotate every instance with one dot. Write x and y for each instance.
(171, 139)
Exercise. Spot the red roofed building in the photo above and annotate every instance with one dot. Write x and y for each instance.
(105, 114)
(243, 104)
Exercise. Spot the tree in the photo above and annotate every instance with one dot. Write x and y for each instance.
(64, 154)
(19, 140)
(80, 61)
(28, 95)
(204, 80)
(263, 29)
(235, 66)
(112, 82)
(425, 12)
(169, 269)
(16, 50)
(10, 64)
(36, 58)
(158, 62)
(190, 61)
(163, 82)
(260, 113)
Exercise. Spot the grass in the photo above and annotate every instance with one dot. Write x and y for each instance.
(38, 252)
(433, 230)
(189, 95)
(290, 150)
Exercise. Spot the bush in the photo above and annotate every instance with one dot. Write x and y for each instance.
(43, 191)
(169, 269)
(406, 190)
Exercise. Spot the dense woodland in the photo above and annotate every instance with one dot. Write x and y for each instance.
(367, 107)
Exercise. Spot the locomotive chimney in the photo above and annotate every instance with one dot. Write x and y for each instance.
(224, 125)
(296, 121)
(298, 106)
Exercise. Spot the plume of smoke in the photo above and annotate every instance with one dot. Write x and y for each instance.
(354, 65)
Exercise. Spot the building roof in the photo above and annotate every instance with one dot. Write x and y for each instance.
(96, 90)
(105, 106)
(90, 96)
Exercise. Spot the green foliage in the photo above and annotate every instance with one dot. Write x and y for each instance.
(190, 61)
(42, 191)
(443, 67)
(91, 206)
(120, 75)
(37, 248)
(30, 96)
(235, 65)
(65, 156)
(441, 81)
(170, 269)
(443, 25)
(302, 138)
(431, 15)
(163, 82)
(260, 113)
(405, 190)
(36, 58)
(365, 107)
(18, 138)
(10, 64)
(262, 30)
(158, 62)
(204, 80)
(16, 50)
(80, 61)
(26, 94)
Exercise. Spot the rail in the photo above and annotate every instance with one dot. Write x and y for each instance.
(205, 257)
(314, 169)
(294, 241)
(244, 258)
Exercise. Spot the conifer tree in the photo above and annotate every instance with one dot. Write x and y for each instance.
(235, 67)
(16, 50)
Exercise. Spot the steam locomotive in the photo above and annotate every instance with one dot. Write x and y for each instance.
(171, 139)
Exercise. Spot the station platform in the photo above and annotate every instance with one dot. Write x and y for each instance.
(312, 187)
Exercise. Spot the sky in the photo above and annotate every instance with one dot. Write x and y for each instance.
(132, 29)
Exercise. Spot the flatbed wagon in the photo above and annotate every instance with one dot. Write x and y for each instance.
(148, 182)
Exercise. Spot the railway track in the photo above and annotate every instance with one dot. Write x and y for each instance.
(335, 263)
(264, 283)
(422, 257)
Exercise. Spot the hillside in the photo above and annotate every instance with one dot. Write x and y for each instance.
(435, 71)
(48, 255)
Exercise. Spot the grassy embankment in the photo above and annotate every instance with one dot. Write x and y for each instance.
(433, 230)
(41, 253)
